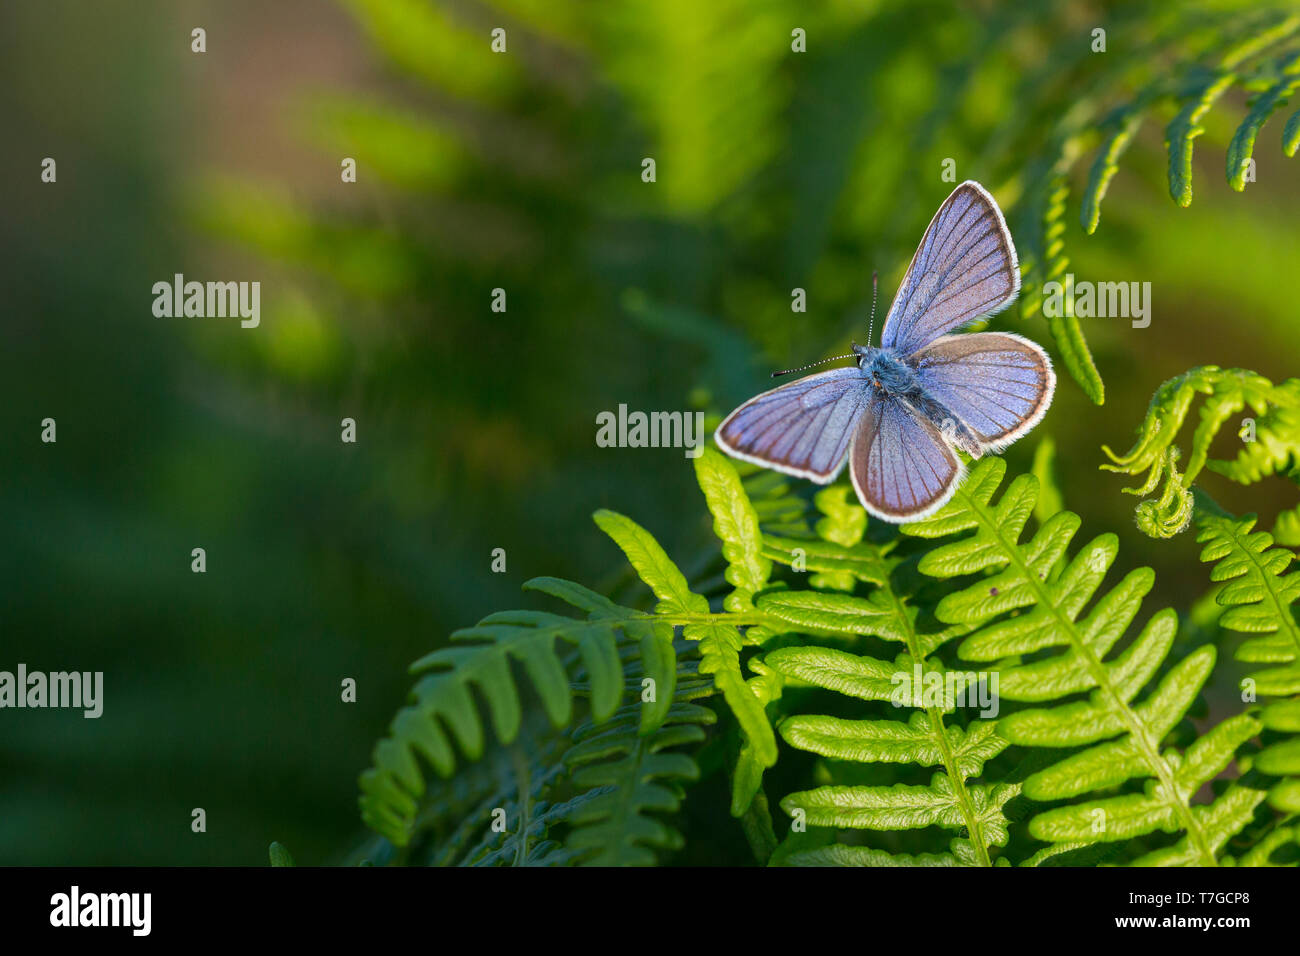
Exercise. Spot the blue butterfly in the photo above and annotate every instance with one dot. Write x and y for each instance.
(900, 415)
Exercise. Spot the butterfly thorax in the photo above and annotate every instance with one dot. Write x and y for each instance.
(893, 377)
(889, 374)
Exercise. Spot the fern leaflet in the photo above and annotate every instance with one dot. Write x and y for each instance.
(1121, 736)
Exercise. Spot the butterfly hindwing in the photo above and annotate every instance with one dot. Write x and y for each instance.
(964, 268)
(803, 428)
(901, 466)
(997, 383)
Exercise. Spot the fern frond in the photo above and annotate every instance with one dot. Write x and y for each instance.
(1121, 736)
(443, 710)
(720, 639)
(465, 818)
(1242, 146)
(1291, 134)
(1271, 439)
(831, 565)
(1260, 596)
(513, 828)
(1106, 165)
(1065, 328)
(929, 737)
(843, 523)
(735, 522)
(630, 779)
(1201, 93)
(652, 565)
(840, 854)
(443, 707)
(1192, 78)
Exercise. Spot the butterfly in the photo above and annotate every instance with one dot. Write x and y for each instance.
(902, 413)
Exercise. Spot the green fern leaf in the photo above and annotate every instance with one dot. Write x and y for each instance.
(1260, 596)
(1242, 146)
(1065, 329)
(833, 564)
(1049, 500)
(1106, 165)
(1186, 126)
(1183, 130)
(926, 738)
(653, 565)
(1121, 737)
(1262, 852)
(736, 524)
(658, 657)
(840, 854)
(720, 656)
(843, 523)
(1291, 134)
(631, 779)
(443, 707)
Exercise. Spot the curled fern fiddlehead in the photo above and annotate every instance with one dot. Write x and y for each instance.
(1270, 442)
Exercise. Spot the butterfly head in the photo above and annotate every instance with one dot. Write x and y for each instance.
(886, 370)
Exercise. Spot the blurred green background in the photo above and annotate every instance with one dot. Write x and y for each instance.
(476, 171)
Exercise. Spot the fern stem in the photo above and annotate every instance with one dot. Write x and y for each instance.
(523, 782)
(1150, 749)
(935, 716)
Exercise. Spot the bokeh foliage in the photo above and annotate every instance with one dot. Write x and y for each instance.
(520, 171)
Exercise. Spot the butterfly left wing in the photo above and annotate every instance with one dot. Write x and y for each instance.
(1000, 385)
(803, 428)
(901, 466)
(964, 268)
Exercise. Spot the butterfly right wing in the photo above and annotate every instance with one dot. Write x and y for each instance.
(999, 384)
(804, 428)
(964, 268)
(901, 466)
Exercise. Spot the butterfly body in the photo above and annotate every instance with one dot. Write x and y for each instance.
(889, 372)
(895, 378)
(901, 414)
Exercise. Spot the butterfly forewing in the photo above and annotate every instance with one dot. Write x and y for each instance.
(804, 428)
(964, 268)
(901, 466)
(997, 383)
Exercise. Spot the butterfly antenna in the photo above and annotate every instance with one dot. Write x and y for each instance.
(872, 327)
(813, 365)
